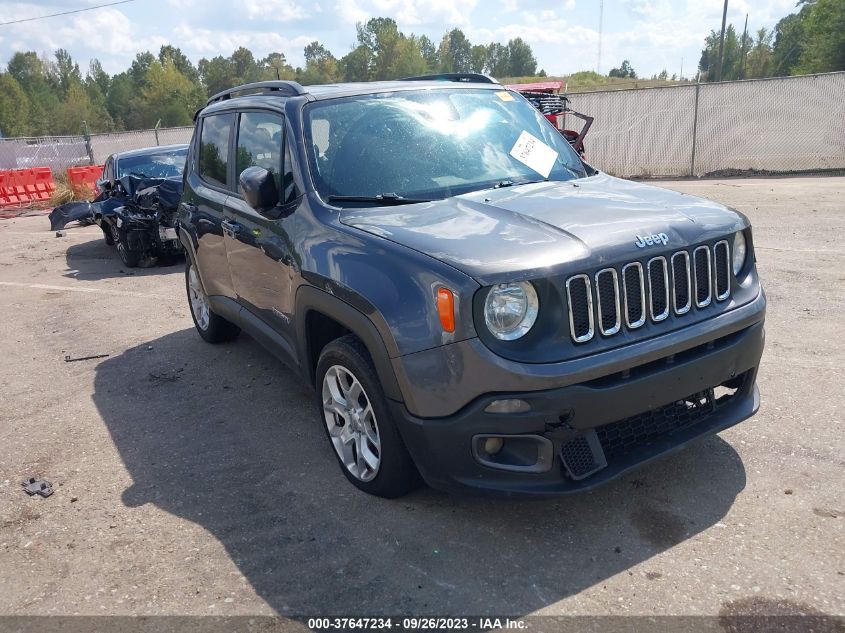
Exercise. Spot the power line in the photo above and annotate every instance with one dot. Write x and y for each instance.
(53, 15)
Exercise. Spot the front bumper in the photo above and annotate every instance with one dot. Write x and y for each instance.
(608, 425)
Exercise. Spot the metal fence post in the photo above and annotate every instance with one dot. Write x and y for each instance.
(694, 130)
(87, 134)
(155, 131)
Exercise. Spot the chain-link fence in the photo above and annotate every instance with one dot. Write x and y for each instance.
(61, 152)
(785, 124)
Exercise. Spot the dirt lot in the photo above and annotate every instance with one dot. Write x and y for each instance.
(193, 479)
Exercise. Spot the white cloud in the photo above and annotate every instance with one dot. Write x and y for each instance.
(408, 13)
(274, 10)
(198, 43)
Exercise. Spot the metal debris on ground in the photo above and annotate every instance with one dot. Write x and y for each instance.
(33, 486)
(68, 359)
(61, 233)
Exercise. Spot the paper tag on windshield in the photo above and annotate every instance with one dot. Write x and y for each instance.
(534, 153)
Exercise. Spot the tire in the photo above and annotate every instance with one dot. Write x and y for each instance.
(212, 327)
(109, 233)
(372, 426)
(130, 259)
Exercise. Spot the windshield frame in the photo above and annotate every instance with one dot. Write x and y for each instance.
(573, 159)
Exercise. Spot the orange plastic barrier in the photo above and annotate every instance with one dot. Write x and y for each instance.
(83, 180)
(19, 187)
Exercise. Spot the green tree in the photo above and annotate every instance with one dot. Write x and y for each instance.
(14, 107)
(498, 59)
(428, 51)
(180, 60)
(824, 45)
(320, 65)
(478, 58)
(355, 65)
(244, 66)
(217, 74)
(168, 96)
(66, 71)
(625, 71)
(522, 61)
(455, 52)
(409, 58)
(276, 66)
(758, 62)
(32, 75)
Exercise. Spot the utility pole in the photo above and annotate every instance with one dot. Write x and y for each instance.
(744, 52)
(681, 76)
(601, 19)
(722, 42)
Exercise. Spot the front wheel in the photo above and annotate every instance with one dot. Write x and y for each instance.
(130, 259)
(111, 233)
(358, 423)
(212, 327)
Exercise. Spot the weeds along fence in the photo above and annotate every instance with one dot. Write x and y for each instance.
(779, 125)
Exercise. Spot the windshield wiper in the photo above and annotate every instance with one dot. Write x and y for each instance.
(511, 183)
(385, 199)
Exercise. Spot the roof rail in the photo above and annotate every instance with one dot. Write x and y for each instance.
(478, 78)
(284, 88)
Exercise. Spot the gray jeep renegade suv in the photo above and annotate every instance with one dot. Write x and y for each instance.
(471, 302)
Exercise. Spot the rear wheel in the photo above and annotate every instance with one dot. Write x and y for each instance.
(212, 327)
(358, 423)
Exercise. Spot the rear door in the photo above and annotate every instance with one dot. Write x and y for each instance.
(208, 185)
(259, 247)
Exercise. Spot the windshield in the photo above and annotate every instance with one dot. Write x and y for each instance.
(432, 143)
(164, 165)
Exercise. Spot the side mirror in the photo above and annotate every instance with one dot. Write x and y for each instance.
(259, 188)
(104, 184)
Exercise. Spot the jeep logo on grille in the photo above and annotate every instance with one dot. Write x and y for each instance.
(652, 240)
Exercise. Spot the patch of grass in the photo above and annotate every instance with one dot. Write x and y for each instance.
(587, 81)
(64, 193)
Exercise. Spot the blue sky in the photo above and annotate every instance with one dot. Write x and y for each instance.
(652, 34)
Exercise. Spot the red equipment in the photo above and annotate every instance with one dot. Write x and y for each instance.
(546, 96)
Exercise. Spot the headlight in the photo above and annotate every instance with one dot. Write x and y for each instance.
(510, 310)
(740, 251)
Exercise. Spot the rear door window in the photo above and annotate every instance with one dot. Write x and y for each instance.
(260, 143)
(214, 148)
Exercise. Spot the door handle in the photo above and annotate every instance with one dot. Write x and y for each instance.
(230, 227)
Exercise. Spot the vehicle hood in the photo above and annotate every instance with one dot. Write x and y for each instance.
(535, 230)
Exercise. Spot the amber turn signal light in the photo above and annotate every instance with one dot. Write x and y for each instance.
(446, 309)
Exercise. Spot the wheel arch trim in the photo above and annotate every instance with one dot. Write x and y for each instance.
(310, 299)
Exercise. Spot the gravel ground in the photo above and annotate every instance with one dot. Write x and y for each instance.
(195, 479)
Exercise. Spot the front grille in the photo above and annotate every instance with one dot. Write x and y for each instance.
(664, 285)
(723, 283)
(658, 289)
(580, 297)
(633, 289)
(681, 301)
(703, 277)
(607, 293)
(625, 436)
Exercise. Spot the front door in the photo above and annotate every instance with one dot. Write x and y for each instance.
(259, 246)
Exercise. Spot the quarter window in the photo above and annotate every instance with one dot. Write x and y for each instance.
(214, 148)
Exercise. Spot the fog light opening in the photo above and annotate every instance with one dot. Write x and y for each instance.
(493, 445)
(511, 405)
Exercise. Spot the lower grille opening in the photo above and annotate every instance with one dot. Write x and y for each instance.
(590, 451)
(621, 438)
